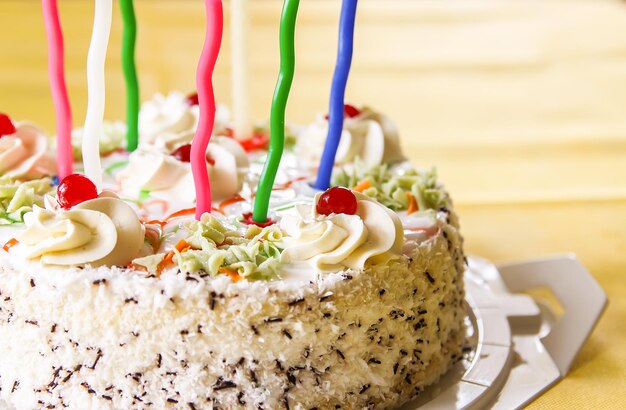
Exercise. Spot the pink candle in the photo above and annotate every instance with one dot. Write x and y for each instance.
(206, 101)
(56, 72)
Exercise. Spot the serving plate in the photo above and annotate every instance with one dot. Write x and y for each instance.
(518, 347)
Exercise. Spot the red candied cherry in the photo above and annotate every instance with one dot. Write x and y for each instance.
(247, 219)
(182, 153)
(192, 99)
(257, 141)
(74, 189)
(337, 200)
(351, 111)
(6, 125)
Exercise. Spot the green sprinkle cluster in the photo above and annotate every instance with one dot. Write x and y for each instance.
(18, 198)
(253, 255)
(390, 188)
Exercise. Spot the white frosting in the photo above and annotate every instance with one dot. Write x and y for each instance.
(331, 242)
(370, 136)
(173, 121)
(102, 231)
(26, 153)
(166, 177)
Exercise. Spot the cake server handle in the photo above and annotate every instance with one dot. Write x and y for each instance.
(581, 297)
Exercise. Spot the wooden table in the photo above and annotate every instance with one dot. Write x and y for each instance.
(522, 107)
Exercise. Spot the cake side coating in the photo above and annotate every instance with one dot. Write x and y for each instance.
(112, 338)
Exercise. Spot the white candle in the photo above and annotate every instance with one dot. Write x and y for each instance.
(95, 90)
(239, 22)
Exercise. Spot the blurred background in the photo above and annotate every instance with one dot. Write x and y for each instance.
(520, 105)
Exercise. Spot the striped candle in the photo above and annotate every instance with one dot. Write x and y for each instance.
(56, 73)
(277, 114)
(337, 93)
(206, 102)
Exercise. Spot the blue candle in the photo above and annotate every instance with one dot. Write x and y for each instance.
(337, 93)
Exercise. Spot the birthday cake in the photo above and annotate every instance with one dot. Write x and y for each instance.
(351, 298)
(180, 261)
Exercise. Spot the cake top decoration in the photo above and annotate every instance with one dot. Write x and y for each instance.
(339, 240)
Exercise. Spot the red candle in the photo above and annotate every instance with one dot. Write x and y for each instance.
(206, 102)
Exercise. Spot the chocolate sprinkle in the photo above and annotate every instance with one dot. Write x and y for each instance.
(240, 399)
(429, 277)
(279, 365)
(223, 384)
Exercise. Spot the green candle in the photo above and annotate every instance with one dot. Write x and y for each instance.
(130, 73)
(277, 115)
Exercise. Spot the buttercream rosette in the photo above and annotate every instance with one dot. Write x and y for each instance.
(165, 176)
(26, 154)
(334, 242)
(104, 231)
(367, 135)
(172, 120)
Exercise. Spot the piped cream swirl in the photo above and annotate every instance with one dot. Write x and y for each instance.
(171, 121)
(150, 169)
(373, 235)
(370, 136)
(26, 154)
(101, 231)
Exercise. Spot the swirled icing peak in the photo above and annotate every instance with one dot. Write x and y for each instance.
(171, 120)
(163, 175)
(101, 231)
(373, 235)
(26, 154)
(367, 135)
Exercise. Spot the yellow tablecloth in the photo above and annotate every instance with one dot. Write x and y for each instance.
(522, 107)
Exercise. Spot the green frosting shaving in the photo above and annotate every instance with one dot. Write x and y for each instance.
(254, 255)
(390, 188)
(18, 198)
(113, 138)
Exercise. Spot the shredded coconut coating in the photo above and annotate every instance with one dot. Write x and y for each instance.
(110, 338)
